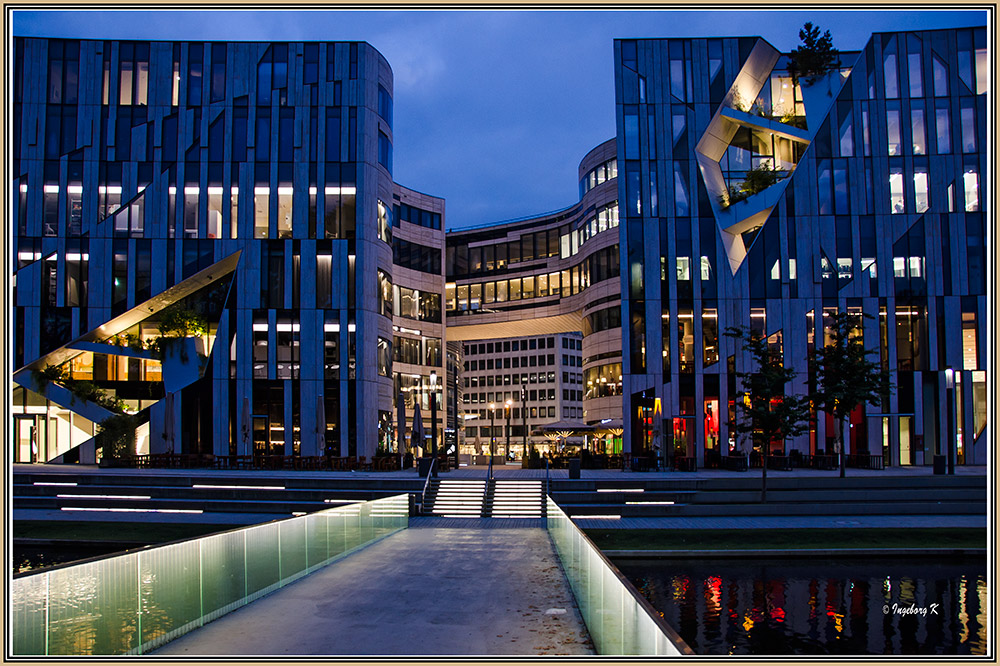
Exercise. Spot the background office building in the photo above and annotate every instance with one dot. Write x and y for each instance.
(878, 208)
(248, 182)
(514, 385)
(419, 364)
(555, 274)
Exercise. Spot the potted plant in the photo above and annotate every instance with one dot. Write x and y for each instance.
(180, 346)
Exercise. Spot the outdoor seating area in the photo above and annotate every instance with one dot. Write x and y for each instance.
(624, 461)
(257, 462)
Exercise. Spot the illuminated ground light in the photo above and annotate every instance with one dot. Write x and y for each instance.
(53, 483)
(129, 510)
(227, 487)
(651, 503)
(124, 497)
(608, 517)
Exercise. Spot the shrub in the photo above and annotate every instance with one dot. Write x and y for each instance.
(116, 436)
(178, 322)
(759, 179)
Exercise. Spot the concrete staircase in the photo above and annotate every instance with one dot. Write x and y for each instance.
(515, 499)
(479, 498)
(455, 498)
(218, 497)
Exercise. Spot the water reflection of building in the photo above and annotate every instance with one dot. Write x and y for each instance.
(794, 607)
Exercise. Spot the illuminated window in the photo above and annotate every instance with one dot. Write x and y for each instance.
(920, 201)
(285, 211)
(970, 180)
(970, 347)
(896, 200)
(261, 203)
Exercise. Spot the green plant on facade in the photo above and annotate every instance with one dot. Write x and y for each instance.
(179, 322)
(789, 118)
(81, 389)
(815, 57)
(756, 180)
(131, 340)
(49, 373)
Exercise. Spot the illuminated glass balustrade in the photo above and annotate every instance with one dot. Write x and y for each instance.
(619, 620)
(135, 602)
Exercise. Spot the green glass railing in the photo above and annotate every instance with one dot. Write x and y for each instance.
(619, 619)
(134, 602)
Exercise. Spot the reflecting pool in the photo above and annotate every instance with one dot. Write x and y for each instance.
(820, 606)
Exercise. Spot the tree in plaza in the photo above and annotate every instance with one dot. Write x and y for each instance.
(765, 412)
(845, 376)
(814, 57)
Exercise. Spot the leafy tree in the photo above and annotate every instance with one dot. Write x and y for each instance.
(768, 414)
(116, 436)
(179, 322)
(814, 57)
(845, 377)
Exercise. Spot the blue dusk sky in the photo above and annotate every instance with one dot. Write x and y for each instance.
(493, 110)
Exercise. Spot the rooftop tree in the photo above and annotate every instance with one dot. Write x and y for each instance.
(814, 57)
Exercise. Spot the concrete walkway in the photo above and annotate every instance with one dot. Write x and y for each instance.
(423, 591)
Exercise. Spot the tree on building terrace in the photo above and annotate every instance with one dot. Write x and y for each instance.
(815, 57)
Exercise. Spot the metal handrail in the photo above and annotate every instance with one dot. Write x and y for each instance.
(486, 494)
(546, 477)
(427, 481)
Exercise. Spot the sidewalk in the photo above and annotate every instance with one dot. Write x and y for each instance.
(422, 591)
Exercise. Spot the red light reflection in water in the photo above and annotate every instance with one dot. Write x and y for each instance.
(713, 593)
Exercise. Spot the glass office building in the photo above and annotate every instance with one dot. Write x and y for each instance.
(250, 183)
(876, 206)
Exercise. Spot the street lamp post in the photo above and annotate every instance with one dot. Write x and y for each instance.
(524, 418)
(458, 421)
(493, 414)
(434, 414)
(506, 450)
(949, 384)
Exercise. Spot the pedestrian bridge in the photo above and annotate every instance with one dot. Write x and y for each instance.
(365, 578)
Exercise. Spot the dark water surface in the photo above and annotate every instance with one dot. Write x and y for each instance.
(820, 606)
(29, 557)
